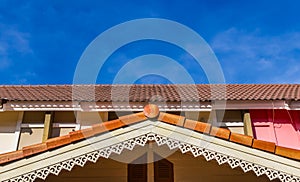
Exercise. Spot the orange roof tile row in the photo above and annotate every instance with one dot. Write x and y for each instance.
(226, 134)
(145, 93)
(180, 121)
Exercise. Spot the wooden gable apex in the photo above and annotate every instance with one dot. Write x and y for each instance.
(112, 137)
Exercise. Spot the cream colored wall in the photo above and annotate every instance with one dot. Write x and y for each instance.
(237, 129)
(8, 124)
(86, 119)
(29, 136)
(61, 131)
(34, 135)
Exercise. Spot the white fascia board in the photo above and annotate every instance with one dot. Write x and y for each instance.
(277, 104)
(42, 106)
(138, 106)
(295, 105)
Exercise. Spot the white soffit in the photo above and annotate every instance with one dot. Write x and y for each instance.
(138, 106)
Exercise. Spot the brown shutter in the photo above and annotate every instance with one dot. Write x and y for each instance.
(163, 171)
(137, 172)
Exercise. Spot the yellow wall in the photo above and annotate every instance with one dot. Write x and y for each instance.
(87, 119)
(8, 124)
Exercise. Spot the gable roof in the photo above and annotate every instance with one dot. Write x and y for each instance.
(143, 93)
(235, 149)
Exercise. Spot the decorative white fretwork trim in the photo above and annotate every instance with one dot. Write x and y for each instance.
(129, 144)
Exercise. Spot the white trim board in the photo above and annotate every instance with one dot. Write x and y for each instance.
(138, 106)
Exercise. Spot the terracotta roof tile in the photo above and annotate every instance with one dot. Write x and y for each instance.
(145, 93)
(197, 126)
(107, 126)
(220, 132)
(76, 136)
(241, 139)
(288, 152)
(58, 141)
(171, 119)
(264, 145)
(34, 149)
(151, 111)
(11, 156)
(133, 118)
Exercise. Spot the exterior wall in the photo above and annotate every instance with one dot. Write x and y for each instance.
(30, 136)
(276, 125)
(202, 116)
(237, 129)
(34, 117)
(103, 170)
(64, 117)
(8, 135)
(86, 119)
(33, 133)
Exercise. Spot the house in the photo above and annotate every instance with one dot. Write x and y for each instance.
(228, 132)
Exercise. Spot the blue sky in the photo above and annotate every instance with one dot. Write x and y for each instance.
(255, 41)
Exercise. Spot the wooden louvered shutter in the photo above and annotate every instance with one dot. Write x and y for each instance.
(137, 172)
(163, 171)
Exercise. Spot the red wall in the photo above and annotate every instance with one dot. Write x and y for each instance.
(280, 126)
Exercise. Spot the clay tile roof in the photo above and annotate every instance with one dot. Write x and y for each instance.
(123, 121)
(144, 93)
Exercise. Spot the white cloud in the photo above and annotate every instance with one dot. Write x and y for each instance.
(12, 40)
(268, 58)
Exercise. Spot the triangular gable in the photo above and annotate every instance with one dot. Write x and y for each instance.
(164, 130)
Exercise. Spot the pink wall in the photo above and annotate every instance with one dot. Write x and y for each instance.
(279, 126)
